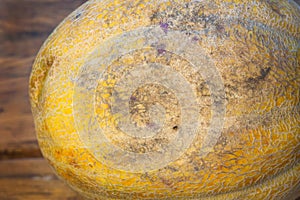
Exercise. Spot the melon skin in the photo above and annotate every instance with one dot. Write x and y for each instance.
(245, 144)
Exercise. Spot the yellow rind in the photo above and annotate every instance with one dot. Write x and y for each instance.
(243, 164)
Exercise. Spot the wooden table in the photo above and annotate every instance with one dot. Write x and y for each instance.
(24, 25)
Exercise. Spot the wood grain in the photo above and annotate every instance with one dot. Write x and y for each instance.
(32, 179)
(24, 26)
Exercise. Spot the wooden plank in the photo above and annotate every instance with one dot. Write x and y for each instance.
(24, 25)
(17, 136)
(12, 67)
(24, 179)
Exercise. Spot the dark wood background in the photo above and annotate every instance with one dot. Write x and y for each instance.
(24, 26)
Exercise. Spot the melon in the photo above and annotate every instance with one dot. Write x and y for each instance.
(172, 99)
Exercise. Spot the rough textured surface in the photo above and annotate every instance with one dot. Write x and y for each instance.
(172, 99)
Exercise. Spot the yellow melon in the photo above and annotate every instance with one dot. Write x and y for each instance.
(181, 99)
